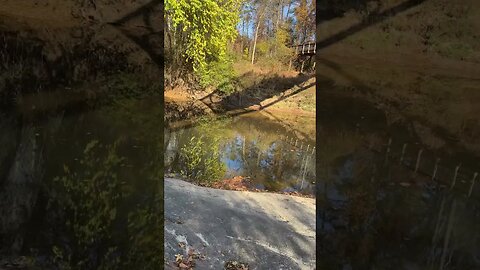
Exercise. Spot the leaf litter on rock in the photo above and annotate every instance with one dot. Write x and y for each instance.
(235, 265)
(189, 262)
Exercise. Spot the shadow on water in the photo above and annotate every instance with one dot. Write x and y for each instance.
(381, 207)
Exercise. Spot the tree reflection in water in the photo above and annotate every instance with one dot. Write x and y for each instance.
(253, 147)
(374, 213)
(97, 204)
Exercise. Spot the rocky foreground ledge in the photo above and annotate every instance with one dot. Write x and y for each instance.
(210, 228)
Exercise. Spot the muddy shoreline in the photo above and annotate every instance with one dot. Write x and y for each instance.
(184, 106)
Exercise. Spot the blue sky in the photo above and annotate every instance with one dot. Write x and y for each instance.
(250, 26)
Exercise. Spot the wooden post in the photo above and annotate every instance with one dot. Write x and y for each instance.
(455, 176)
(403, 152)
(313, 150)
(303, 64)
(435, 169)
(451, 221)
(473, 183)
(418, 160)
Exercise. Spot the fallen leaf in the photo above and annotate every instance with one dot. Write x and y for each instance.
(178, 257)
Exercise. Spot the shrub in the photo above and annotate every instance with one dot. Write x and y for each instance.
(202, 160)
(218, 74)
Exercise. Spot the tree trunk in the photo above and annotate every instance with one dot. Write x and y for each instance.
(242, 37)
(280, 17)
(255, 41)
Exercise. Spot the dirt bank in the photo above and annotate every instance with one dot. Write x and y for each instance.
(406, 62)
(277, 93)
(75, 43)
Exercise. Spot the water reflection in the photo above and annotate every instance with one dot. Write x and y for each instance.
(269, 154)
(378, 209)
(81, 189)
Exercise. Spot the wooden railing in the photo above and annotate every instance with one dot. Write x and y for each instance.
(305, 49)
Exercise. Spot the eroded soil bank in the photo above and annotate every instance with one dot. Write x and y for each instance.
(284, 95)
(418, 61)
(76, 43)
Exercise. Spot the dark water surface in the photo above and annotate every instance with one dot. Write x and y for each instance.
(272, 155)
(380, 207)
(83, 187)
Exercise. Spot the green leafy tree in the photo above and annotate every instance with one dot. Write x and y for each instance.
(201, 30)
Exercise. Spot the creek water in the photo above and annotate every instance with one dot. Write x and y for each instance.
(82, 185)
(374, 210)
(272, 155)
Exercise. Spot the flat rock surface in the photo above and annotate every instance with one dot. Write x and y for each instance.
(264, 230)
